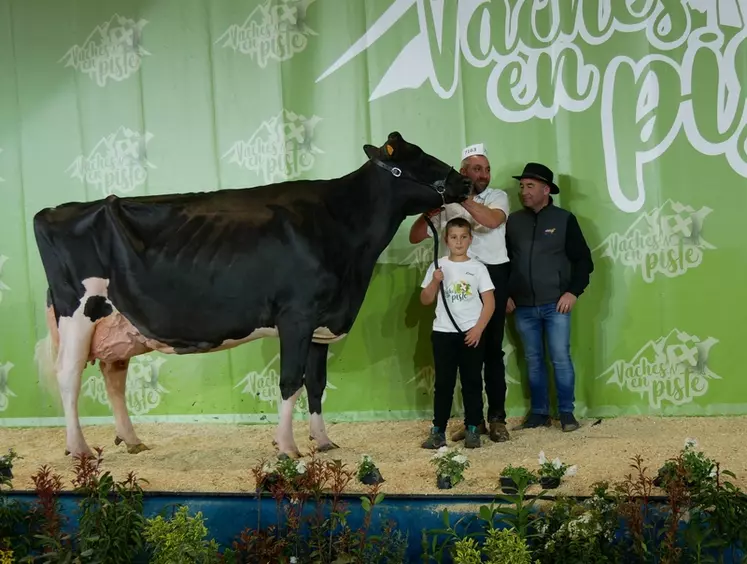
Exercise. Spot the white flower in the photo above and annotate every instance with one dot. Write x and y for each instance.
(293, 560)
(571, 471)
(460, 459)
(712, 473)
(542, 458)
(300, 466)
(556, 463)
(691, 443)
(440, 453)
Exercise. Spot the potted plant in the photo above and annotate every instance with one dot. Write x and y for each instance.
(693, 465)
(450, 467)
(285, 471)
(6, 465)
(368, 473)
(511, 478)
(551, 472)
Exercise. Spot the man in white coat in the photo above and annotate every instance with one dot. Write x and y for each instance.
(486, 209)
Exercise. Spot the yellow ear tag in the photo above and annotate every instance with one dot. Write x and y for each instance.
(389, 150)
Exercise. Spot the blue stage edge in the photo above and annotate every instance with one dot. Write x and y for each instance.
(227, 514)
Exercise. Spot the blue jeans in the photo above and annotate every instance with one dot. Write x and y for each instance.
(534, 323)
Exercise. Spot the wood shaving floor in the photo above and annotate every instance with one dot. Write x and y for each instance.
(218, 457)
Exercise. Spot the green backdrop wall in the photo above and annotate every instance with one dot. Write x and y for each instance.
(637, 105)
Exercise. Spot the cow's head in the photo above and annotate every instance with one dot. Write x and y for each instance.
(423, 181)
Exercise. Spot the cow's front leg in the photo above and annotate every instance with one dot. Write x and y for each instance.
(316, 381)
(295, 338)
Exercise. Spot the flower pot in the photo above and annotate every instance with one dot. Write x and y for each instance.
(549, 482)
(372, 478)
(508, 485)
(443, 482)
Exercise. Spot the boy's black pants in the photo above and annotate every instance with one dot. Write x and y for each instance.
(449, 354)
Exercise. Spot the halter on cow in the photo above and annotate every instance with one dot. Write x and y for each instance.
(202, 272)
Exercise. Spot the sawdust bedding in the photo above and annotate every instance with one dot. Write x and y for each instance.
(219, 457)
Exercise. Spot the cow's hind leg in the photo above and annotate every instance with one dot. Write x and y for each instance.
(316, 381)
(295, 338)
(76, 332)
(115, 376)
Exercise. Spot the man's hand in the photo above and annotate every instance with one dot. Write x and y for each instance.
(510, 306)
(472, 338)
(566, 303)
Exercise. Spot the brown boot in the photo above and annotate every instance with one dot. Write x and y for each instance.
(461, 433)
(498, 432)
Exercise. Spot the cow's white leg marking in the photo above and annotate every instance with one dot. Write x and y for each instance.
(319, 433)
(115, 376)
(76, 332)
(284, 435)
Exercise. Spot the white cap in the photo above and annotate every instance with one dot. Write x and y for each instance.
(478, 149)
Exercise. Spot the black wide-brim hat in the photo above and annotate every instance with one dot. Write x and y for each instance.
(539, 172)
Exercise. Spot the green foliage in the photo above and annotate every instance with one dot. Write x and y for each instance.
(451, 464)
(180, 539)
(365, 467)
(519, 474)
(111, 514)
(705, 517)
(505, 546)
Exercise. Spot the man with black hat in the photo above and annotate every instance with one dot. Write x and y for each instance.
(550, 268)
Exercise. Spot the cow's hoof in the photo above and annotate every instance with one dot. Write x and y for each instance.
(326, 447)
(88, 452)
(294, 455)
(134, 449)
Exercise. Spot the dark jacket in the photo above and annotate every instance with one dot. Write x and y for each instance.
(548, 256)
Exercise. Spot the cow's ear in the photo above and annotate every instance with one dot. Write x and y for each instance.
(372, 152)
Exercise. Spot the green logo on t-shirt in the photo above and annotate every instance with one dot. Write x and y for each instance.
(459, 291)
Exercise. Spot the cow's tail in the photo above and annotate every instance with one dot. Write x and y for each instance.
(45, 354)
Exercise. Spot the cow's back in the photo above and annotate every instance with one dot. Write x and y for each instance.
(191, 270)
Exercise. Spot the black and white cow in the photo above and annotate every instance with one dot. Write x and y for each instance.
(202, 272)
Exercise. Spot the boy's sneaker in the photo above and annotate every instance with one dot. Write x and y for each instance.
(568, 422)
(472, 437)
(435, 440)
(461, 433)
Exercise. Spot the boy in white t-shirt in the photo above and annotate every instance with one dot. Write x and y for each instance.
(469, 295)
